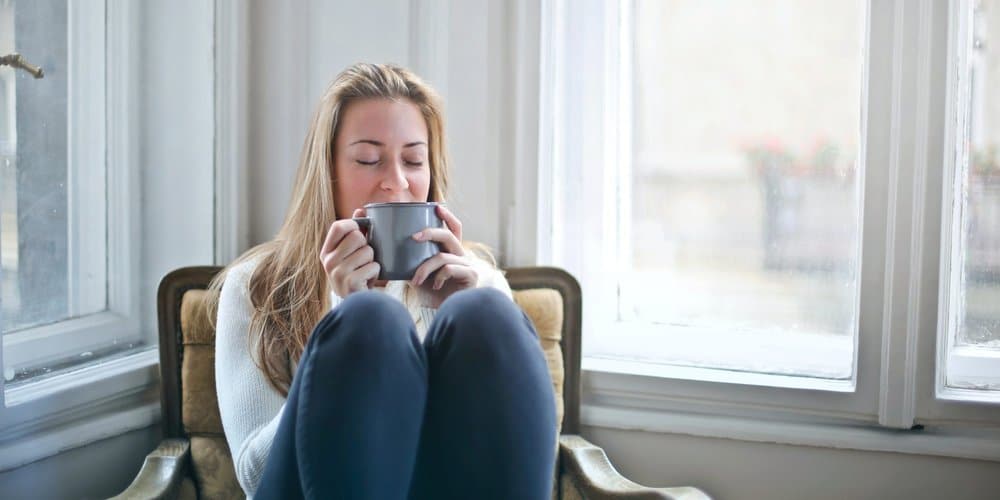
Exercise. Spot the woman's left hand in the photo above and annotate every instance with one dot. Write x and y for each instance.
(450, 270)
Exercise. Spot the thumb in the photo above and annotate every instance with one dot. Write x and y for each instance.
(358, 212)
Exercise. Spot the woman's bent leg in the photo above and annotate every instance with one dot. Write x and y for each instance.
(489, 430)
(351, 424)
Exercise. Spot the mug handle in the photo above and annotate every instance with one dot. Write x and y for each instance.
(364, 223)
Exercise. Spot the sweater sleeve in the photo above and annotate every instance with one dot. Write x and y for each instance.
(250, 408)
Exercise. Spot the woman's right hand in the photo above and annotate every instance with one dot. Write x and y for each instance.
(348, 259)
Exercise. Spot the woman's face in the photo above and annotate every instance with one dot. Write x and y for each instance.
(380, 154)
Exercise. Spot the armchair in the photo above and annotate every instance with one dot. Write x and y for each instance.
(194, 461)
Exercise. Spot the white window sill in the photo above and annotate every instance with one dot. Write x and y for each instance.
(76, 408)
(646, 407)
(784, 359)
(598, 364)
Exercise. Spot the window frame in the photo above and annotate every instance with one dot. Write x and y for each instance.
(964, 364)
(894, 398)
(202, 198)
(101, 144)
(47, 415)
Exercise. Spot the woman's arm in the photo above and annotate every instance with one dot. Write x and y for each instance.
(250, 408)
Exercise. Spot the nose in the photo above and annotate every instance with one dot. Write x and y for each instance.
(394, 179)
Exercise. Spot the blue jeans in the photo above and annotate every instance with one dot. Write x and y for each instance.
(373, 413)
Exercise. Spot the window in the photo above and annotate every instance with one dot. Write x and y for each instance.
(60, 308)
(741, 229)
(971, 331)
(763, 209)
(108, 182)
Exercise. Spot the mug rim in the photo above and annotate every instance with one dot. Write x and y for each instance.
(401, 204)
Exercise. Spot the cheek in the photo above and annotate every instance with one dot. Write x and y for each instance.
(351, 190)
(420, 184)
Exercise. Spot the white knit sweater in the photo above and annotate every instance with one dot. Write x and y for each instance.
(250, 408)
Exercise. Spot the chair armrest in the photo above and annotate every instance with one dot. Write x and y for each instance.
(596, 478)
(161, 473)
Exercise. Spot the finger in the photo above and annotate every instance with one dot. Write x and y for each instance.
(359, 212)
(337, 265)
(348, 245)
(449, 242)
(362, 276)
(337, 231)
(458, 273)
(450, 221)
(433, 264)
(359, 258)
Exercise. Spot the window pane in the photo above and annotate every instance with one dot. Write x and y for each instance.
(980, 298)
(34, 191)
(37, 199)
(745, 205)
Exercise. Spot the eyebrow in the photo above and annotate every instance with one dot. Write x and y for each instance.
(377, 143)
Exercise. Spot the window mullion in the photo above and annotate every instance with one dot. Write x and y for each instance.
(86, 172)
(907, 173)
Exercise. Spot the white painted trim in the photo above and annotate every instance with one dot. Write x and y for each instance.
(643, 386)
(86, 165)
(46, 406)
(621, 154)
(124, 185)
(550, 62)
(959, 39)
(232, 41)
(78, 433)
(886, 365)
(900, 321)
(82, 378)
(921, 144)
(429, 34)
(55, 342)
(520, 246)
(701, 374)
(973, 368)
(982, 445)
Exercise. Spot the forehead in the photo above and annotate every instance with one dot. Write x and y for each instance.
(383, 120)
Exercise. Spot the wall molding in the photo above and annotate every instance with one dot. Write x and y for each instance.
(932, 442)
(232, 42)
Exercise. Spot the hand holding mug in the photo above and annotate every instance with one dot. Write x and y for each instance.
(450, 270)
(347, 258)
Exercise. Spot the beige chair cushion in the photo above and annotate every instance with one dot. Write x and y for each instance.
(545, 308)
(211, 459)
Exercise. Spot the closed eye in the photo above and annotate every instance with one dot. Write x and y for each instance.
(367, 163)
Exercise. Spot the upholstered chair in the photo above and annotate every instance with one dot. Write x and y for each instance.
(194, 461)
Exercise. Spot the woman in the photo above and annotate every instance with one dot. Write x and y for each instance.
(332, 384)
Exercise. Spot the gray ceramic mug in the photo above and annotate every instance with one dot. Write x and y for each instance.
(389, 228)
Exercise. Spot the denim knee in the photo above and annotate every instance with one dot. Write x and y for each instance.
(366, 320)
(484, 314)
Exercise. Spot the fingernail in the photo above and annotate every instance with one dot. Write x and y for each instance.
(419, 235)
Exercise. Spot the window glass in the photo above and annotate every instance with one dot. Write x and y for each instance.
(745, 202)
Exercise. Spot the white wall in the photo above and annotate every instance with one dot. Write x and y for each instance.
(98, 470)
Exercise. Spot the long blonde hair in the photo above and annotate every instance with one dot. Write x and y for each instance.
(289, 289)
